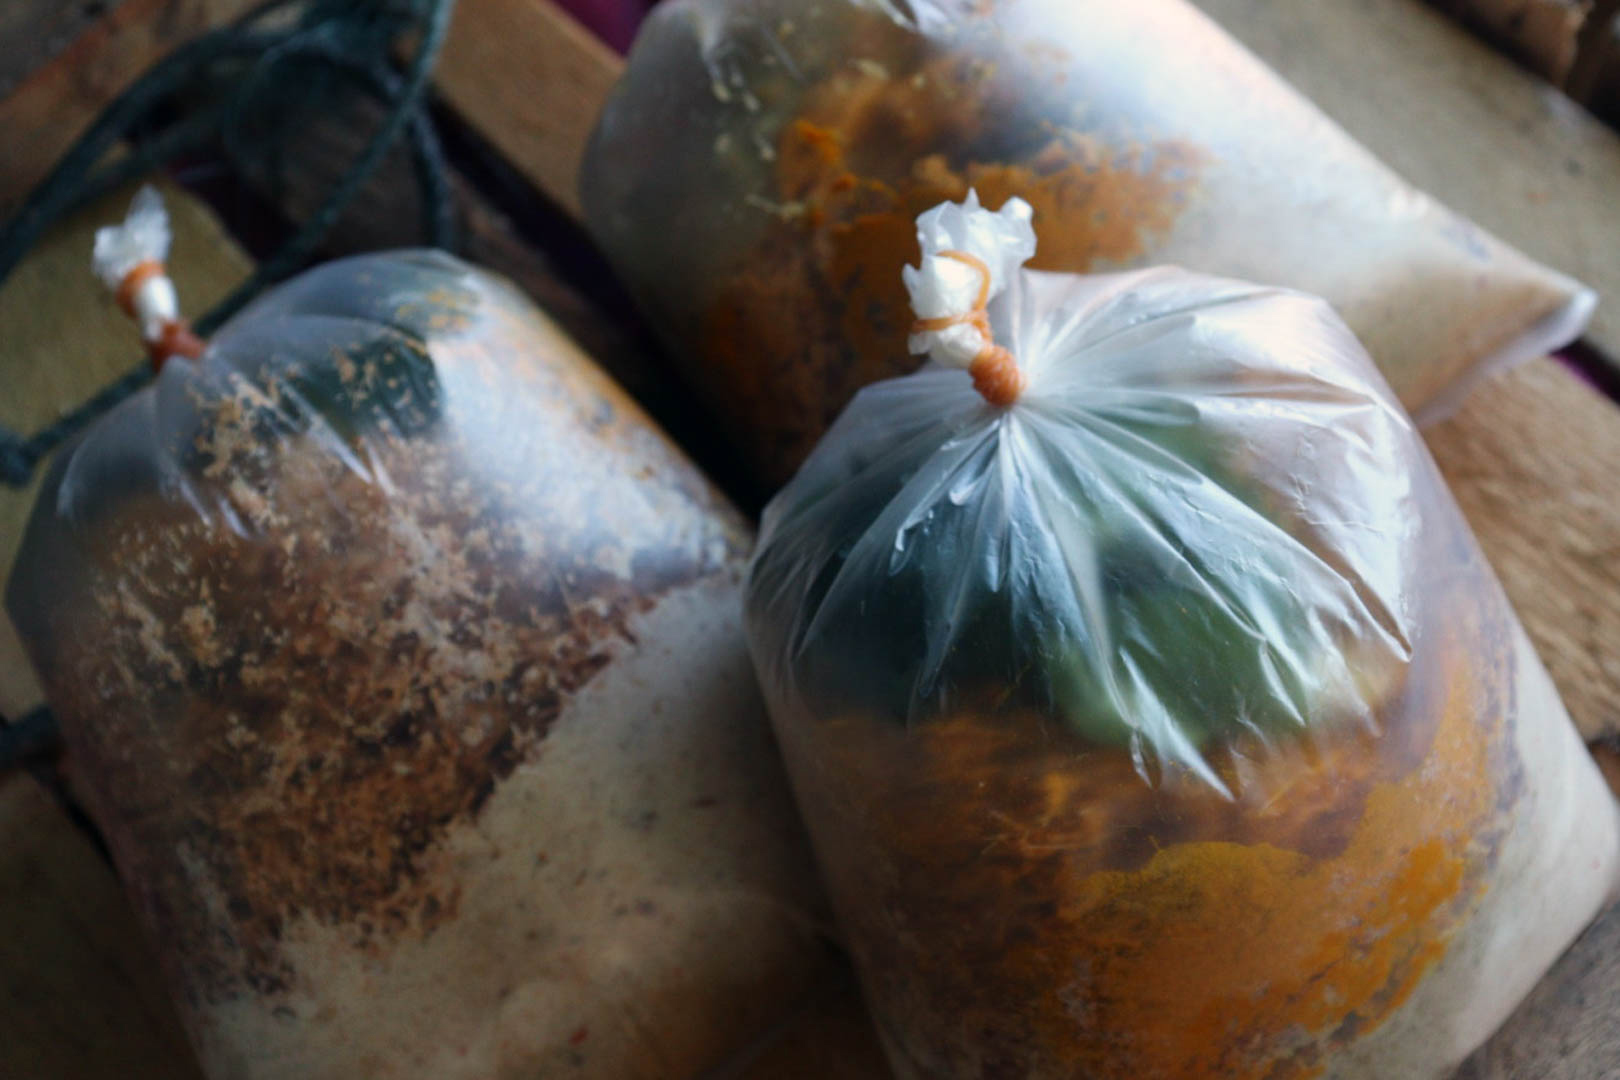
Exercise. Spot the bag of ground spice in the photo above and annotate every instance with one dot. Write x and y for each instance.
(799, 141)
(1152, 709)
(399, 658)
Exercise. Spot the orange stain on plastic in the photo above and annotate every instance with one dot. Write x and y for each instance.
(1167, 932)
(821, 310)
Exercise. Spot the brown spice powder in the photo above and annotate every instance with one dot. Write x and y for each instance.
(282, 706)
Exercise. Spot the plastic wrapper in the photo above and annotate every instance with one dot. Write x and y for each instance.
(400, 661)
(1164, 720)
(799, 142)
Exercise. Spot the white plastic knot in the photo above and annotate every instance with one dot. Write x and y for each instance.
(948, 287)
(129, 259)
(143, 237)
(969, 254)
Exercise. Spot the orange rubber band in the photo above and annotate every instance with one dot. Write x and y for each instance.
(984, 274)
(996, 374)
(979, 319)
(141, 273)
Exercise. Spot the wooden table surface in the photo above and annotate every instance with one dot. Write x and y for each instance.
(1529, 455)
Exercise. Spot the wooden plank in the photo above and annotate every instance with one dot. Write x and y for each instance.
(532, 80)
(1459, 121)
(1569, 1026)
(1531, 458)
(80, 997)
(33, 31)
(49, 109)
(1541, 34)
(59, 100)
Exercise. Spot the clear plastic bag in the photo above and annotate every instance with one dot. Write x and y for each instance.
(1163, 719)
(799, 141)
(400, 660)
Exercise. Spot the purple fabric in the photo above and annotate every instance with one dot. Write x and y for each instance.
(1592, 367)
(614, 21)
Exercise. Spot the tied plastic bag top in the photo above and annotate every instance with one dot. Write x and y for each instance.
(1151, 707)
(400, 659)
(801, 140)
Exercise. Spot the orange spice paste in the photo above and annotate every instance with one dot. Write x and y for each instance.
(1022, 903)
(819, 310)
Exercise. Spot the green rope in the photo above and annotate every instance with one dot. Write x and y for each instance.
(303, 243)
(352, 38)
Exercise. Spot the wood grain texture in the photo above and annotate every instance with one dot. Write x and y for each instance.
(1531, 459)
(1569, 1026)
(1458, 120)
(80, 997)
(44, 113)
(532, 81)
(33, 31)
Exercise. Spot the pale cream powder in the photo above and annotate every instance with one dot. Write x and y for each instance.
(637, 893)
(1559, 865)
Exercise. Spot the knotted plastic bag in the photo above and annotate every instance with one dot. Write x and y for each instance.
(1152, 709)
(800, 141)
(399, 660)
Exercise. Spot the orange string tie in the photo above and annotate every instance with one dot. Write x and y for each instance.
(173, 337)
(996, 374)
(139, 275)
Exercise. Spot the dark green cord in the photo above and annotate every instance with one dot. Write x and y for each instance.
(303, 243)
(333, 32)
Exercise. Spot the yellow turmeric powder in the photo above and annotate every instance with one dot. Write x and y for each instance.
(869, 152)
(982, 860)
